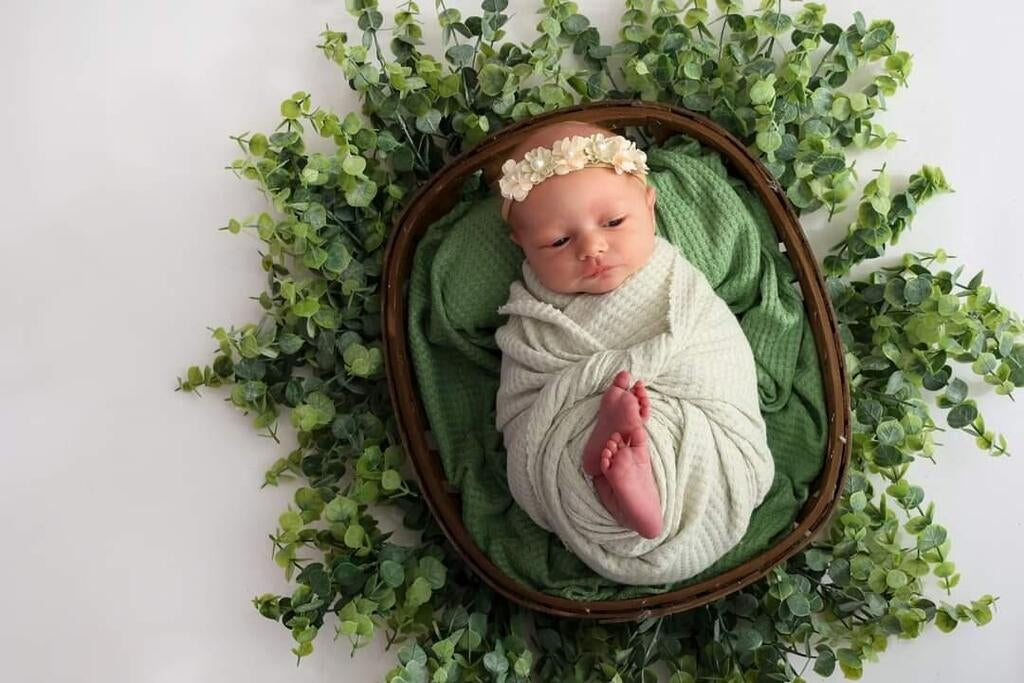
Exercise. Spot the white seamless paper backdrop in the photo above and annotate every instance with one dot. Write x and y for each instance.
(135, 528)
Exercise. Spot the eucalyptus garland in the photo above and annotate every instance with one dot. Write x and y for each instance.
(780, 82)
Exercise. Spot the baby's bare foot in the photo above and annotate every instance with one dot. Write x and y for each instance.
(619, 412)
(627, 467)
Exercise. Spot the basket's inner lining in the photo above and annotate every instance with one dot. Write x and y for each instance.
(462, 268)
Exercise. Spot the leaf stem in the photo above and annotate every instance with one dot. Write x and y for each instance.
(820, 64)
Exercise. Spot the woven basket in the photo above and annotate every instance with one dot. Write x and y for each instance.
(438, 196)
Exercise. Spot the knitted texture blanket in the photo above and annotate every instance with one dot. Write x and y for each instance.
(706, 437)
(462, 270)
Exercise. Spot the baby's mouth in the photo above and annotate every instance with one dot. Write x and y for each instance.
(596, 270)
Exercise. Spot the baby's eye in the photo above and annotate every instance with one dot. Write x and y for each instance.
(615, 221)
(560, 241)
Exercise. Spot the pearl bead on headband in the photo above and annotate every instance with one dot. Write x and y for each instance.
(564, 156)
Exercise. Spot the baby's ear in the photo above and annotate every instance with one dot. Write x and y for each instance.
(651, 195)
(512, 236)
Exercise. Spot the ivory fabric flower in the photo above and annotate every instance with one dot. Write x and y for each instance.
(513, 183)
(604, 148)
(538, 161)
(570, 154)
(627, 160)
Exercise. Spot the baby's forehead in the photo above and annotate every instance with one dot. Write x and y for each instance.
(545, 211)
(594, 187)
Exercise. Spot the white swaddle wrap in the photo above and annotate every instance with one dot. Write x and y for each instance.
(706, 436)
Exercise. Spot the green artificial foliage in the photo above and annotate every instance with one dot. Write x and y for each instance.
(779, 81)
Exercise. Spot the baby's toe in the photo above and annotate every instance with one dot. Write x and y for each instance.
(643, 400)
(645, 408)
(622, 379)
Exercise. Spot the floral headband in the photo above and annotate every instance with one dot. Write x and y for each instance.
(567, 155)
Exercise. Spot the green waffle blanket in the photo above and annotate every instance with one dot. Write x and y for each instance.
(462, 270)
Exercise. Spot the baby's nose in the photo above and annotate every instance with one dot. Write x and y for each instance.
(590, 246)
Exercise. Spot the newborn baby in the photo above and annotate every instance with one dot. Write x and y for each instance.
(587, 231)
(602, 295)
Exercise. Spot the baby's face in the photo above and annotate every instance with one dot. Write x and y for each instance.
(585, 231)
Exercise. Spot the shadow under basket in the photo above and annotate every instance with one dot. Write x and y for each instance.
(440, 194)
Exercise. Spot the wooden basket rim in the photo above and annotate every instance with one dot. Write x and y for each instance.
(436, 196)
